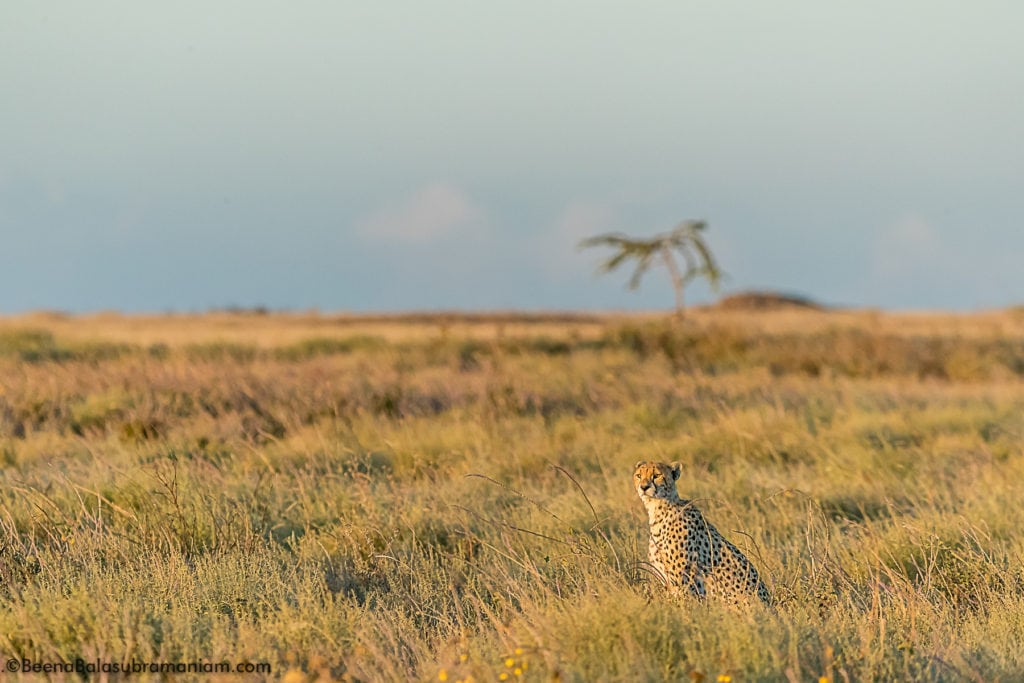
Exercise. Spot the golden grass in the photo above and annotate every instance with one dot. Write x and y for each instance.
(288, 328)
(269, 330)
(293, 489)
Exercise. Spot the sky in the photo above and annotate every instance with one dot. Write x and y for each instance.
(392, 156)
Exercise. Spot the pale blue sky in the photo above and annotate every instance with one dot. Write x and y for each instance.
(411, 155)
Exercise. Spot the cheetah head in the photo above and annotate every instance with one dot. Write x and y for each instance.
(656, 480)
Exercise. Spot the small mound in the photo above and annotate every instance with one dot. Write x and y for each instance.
(766, 301)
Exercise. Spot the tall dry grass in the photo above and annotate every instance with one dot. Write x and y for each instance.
(444, 503)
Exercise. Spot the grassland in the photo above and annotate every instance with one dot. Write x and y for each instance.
(438, 498)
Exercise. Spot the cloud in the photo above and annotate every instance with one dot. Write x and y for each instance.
(910, 244)
(911, 261)
(432, 213)
(576, 222)
(580, 220)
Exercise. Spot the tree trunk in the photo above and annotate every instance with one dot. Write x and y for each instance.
(677, 280)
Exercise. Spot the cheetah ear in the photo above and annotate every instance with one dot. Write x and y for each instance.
(638, 463)
(677, 469)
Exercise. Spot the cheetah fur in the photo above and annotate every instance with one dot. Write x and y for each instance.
(685, 549)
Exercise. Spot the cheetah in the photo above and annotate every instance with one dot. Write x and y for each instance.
(687, 550)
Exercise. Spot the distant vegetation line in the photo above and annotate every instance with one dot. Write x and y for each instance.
(848, 352)
(439, 316)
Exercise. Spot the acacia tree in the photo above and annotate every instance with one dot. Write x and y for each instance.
(686, 239)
